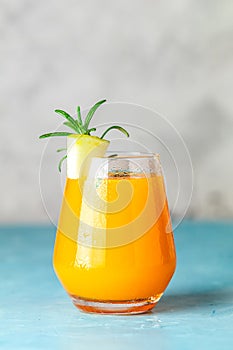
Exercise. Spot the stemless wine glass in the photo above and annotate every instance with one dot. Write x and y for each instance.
(114, 251)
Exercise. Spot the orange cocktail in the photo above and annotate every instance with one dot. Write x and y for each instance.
(114, 249)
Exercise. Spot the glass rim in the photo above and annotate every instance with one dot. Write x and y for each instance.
(129, 155)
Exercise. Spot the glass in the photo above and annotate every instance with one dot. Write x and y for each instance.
(114, 250)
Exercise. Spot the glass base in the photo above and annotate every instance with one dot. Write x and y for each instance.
(121, 307)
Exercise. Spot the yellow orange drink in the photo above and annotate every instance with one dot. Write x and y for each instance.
(114, 249)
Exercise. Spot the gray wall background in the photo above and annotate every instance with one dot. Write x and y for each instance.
(173, 56)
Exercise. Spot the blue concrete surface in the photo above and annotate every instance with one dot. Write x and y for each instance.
(196, 311)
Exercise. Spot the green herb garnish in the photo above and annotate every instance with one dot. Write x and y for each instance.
(80, 127)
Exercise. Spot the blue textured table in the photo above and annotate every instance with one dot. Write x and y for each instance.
(196, 311)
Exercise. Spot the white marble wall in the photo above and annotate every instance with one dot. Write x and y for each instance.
(172, 56)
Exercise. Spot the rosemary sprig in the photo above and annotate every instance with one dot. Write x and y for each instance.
(79, 115)
(61, 149)
(91, 113)
(55, 134)
(71, 123)
(80, 127)
(115, 127)
(61, 161)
